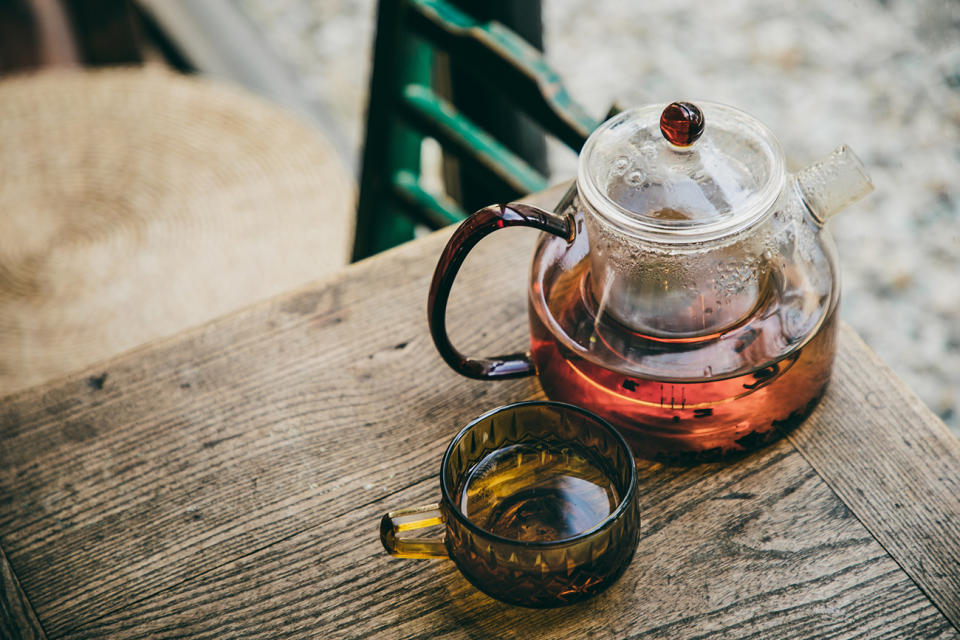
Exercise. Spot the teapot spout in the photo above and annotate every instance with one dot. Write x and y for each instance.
(833, 183)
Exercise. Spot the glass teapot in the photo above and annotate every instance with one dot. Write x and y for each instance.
(685, 289)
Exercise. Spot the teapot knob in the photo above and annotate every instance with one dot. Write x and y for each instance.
(681, 123)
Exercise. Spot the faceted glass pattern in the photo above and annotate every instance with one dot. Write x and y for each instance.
(546, 573)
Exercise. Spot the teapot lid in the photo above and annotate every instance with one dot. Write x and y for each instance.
(681, 173)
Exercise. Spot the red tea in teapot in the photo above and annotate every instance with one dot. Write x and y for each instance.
(674, 419)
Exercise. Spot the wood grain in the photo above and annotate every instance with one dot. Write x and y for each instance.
(199, 450)
(895, 464)
(762, 549)
(17, 619)
(228, 483)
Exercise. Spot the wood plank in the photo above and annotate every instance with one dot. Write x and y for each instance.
(176, 458)
(761, 549)
(231, 478)
(895, 464)
(17, 619)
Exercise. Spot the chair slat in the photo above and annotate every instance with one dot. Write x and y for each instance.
(438, 118)
(508, 61)
(433, 211)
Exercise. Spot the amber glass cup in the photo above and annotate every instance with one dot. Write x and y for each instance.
(538, 506)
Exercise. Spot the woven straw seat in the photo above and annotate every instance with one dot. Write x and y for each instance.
(135, 203)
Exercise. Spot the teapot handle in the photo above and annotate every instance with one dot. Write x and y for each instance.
(468, 234)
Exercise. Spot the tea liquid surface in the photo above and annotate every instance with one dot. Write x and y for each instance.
(623, 375)
(536, 492)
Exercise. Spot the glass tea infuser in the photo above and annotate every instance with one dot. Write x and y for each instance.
(686, 290)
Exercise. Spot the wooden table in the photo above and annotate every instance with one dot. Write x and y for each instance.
(228, 483)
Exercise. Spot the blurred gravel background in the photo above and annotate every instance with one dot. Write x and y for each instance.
(881, 75)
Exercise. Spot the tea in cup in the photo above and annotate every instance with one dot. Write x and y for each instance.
(538, 506)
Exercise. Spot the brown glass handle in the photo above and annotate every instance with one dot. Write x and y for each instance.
(395, 528)
(471, 231)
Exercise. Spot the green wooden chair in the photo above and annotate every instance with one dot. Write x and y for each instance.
(406, 106)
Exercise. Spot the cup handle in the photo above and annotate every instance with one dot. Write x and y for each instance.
(395, 523)
(468, 234)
